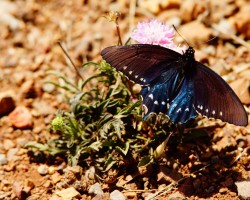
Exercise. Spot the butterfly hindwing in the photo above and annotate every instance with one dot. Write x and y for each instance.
(214, 98)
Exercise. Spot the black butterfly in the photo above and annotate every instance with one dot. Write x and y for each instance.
(175, 84)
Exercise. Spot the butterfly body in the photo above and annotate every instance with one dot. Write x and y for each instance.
(176, 84)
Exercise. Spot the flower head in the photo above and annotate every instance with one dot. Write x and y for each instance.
(157, 33)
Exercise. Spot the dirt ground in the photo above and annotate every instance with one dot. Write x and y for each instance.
(29, 32)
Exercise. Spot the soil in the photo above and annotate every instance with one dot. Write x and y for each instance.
(212, 166)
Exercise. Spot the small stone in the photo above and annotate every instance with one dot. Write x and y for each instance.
(55, 178)
(47, 184)
(7, 104)
(96, 189)
(90, 173)
(4, 195)
(42, 108)
(240, 87)
(8, 144)
(11, 155)
(43, 169)
(21, 141)
(117, 195)
(3, 159)
(68, 193)
(21, 117)
(223, 190)
(176, 195)
(52, 170)
(150, 5)
(195, 38)
(49, 88)
(243, 189)
(28, 89)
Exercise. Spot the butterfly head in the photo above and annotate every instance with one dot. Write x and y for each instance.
(189, 54)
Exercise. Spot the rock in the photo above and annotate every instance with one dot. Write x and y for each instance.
(242, 20)
(55, 178)
(240, 87)
(4, 195)
(187, 187)
(43, 169)
(28, 89)
(117, 195)
(150, 5)
(168, 175)
(96, 189)
(42, 108)
(243, 188)
(22, 189)
(7, 104)
(11, 155)
(8, 144)
(176, 196)
(49, 88)
(68, 193)
(20, 117)
(3, 159)
(7, 10)
(194, 37)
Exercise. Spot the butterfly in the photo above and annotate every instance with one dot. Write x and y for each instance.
(176, 84)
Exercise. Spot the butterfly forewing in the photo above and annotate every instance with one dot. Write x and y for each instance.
(214, 98)
(140, 63)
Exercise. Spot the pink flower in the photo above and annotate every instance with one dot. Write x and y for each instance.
(157, 33)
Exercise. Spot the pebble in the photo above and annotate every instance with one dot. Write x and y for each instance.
(3, 159)
(43, 169)
(7, 104)
(8, 144)
(55, 178)
(49, 88)
(42, 108)
(117, 195)
(20, 117)
(68, 193)
(223, 190)
(176, 195)
(11, 155)
(96, 189)
(243, 188)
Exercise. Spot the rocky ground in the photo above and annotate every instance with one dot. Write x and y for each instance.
(29, 34)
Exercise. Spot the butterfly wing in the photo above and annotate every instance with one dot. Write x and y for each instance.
(172, 94)
(141, 63)
(214, 98)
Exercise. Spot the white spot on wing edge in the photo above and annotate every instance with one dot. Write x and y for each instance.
(125, 67)
(156, 102)
(163, 103)
(130, 72)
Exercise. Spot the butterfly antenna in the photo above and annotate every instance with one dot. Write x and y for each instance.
(181, 35)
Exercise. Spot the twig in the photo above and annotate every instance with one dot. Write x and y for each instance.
(118, 28)
(170, 186)
(66, 53)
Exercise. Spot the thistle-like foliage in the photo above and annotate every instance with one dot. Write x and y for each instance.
(103, 127)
